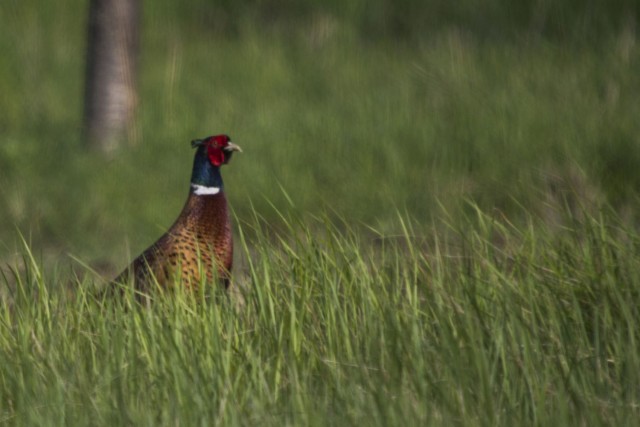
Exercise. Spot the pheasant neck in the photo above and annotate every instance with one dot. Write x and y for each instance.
(206, 179)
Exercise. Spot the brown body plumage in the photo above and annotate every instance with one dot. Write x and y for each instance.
(198, 248)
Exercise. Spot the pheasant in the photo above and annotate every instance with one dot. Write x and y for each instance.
(200, 241)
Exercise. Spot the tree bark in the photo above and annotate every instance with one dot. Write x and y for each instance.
(110, 85)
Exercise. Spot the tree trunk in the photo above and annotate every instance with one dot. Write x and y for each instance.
(110, 85)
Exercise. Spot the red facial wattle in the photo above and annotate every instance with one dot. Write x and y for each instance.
(216, 155)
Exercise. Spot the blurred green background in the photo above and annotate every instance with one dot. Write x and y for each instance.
(359, 108)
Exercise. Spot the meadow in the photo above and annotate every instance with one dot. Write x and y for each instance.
(435, 214)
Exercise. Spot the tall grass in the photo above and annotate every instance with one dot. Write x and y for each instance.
(488, 324)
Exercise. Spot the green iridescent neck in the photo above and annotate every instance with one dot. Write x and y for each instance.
(205, 174)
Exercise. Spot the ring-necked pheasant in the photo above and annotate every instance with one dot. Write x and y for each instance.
(200, 240)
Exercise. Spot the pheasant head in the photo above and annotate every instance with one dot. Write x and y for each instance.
(212, 152)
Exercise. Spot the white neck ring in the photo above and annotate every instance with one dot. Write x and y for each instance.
(201, 190)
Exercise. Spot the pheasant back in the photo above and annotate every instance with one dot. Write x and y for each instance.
(197, 248)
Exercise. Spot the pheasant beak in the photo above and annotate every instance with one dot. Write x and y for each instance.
(231, 147)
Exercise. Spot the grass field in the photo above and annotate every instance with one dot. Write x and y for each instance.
(435, 225)
(485, 325)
